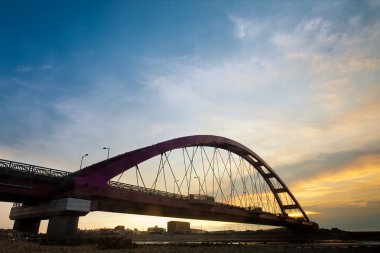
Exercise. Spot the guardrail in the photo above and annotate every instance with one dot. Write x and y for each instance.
(135, 188)
(130, 187)
(33, 169)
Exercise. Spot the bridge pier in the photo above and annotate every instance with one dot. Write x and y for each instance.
(27, 225)
(63, 216)
(65, 225)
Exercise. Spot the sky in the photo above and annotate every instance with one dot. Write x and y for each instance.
(295, 81)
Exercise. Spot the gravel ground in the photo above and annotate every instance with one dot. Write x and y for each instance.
(11, 245)
(11, 242)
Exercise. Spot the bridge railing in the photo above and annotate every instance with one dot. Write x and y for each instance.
(145, 190)
(29, 168)
(33, 169)
(130, 187)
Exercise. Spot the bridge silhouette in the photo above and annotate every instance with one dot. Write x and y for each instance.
(197, 177)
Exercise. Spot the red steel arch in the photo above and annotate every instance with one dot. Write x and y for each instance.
(97, 175)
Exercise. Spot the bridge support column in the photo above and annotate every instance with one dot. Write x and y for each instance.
(65, 225)
(27, 225)
(63, 215)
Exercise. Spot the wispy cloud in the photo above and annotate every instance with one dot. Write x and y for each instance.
(24, 69)
(246, 28)
(30, 68)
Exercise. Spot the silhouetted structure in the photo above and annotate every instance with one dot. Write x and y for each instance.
(156, 230)
(178, 227)
(236, 186)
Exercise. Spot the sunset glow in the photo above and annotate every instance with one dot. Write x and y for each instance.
(297, 82)
(356, 183)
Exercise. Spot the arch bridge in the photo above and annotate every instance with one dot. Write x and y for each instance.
(198, 177)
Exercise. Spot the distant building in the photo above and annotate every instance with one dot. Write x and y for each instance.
(119, 228)
(156, 230)
(179, 227)
(197, 231)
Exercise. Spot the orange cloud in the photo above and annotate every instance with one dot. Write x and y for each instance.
(353, 184)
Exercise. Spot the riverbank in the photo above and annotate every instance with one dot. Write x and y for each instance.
(10, 244)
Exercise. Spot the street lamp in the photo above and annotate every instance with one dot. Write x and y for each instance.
(108, 152)
(82, 161)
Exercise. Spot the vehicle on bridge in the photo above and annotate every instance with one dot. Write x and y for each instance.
(255, 209)
(201, 199)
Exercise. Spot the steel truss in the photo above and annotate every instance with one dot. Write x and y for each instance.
(212, 167)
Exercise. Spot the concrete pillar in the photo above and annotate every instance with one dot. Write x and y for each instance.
(65, 225)
(63, 215)
(27, 225)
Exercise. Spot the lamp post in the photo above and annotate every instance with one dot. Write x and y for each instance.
(199, 185)
(108, 151)
(108, 156)
(82, 161)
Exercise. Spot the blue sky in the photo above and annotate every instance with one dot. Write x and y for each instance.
(296, 81)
